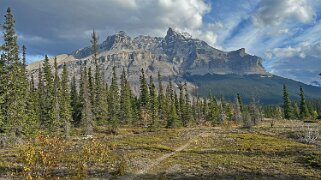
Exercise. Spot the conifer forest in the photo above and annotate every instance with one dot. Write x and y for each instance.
(55, 123)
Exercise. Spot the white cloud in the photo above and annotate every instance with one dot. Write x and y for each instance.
(303, 50)
(215, 26)
(276, 12)
(272, 29)
(286, 52)
(69, 22)
(301, 63)
(206, 35)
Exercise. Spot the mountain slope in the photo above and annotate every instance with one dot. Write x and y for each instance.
(181, 58)
(265, 89)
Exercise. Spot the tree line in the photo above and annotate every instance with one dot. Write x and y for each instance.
(57, 102)
(303, 109)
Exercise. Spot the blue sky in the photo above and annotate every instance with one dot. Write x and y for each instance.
(285, 33)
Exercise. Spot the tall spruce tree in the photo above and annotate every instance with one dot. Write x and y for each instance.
(213, 114)
(56, 101)
(31, 103)
(2, 92)
(296, 110)
(304, 112)
(144, 93)
(91, 90)
(170, 90)
(100, 106)
(198, 110)
(173, 119)
(153, 103)
(86, 115)
(237, 113)
(239, 98)
(75, 102)
(144, 100)
(161, 98)
(40, 98)
(14, 101)
(32, 108)
(205, 109)
(65, 102)
(126, 111)
(181, 104)
(287, 108)
(254, 112)
(24, 70)
(187, 109)
(48, 96)
(222, 110)
(176, 101)
(113, 100)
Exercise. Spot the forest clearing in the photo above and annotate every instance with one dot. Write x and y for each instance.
(225, 152)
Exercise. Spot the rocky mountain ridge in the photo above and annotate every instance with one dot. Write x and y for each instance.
(175, 56)
(180, 50)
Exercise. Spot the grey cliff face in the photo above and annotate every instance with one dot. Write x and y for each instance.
(174, 56)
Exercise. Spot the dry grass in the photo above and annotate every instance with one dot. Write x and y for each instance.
(227, 152)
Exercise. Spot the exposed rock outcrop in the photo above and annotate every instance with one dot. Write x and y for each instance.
(175, 55)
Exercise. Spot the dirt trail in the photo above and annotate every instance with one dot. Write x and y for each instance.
(157, 161)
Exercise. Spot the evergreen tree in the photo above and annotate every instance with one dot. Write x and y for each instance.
(48, 96)
(153, 103)
(161, 98)
(86, 115)
(144, 100)
(24, 70)
(198, 110)
(170, 90)
(187, 109)
(237, 115)
(41, 100)
(32, 106)
(228, 111)
(91, 90)
(13, 100)
(173, 119)
(126, 111)
(223, 102)
(65, 102)
(222, 110)
(296, 110)
(144, 94)
(100, 106)
(113, 100)
(2, 92)
(254, 112)
(239, 98)
(287, 109)
(205, 109)
(75, 102)
(181, 104)
(56, 104)
(304, 112)
(135, 107)
(176, 101)
(31, 125)
(213, 111)
(29, 121)
(24, 59)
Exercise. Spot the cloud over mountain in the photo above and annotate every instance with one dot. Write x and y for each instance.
(272, 29)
